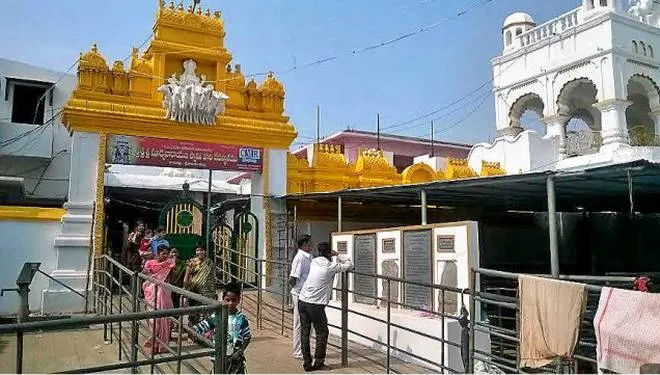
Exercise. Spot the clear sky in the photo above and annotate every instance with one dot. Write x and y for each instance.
(401, 81)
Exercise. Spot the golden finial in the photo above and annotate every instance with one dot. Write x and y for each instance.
(161, 3)
(180, 7)
(190, 9)
(199, 11)
(208, 12)
(237, 68)
(171, 4)
(228, 68)
(94, 48)
(217, 14)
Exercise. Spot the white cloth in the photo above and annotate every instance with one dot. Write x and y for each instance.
(627, 328)
(318, 287)
(297, 351)
(300, 270)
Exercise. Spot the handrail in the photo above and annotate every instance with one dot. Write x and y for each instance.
(58, 324)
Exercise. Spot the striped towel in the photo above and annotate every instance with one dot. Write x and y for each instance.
(627, 327)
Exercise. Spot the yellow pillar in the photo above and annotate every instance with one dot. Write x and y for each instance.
(99, 213)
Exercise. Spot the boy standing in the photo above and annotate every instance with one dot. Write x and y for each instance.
(238, 329)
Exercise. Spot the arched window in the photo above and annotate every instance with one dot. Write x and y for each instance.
(518, 31)
(590, 4)
(635, 50)
(603, 3)
(642, 47)
(508, 38)
(649, 49)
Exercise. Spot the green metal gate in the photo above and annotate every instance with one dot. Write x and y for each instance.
(184, 221)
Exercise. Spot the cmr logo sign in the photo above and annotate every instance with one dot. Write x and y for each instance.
(249, 156)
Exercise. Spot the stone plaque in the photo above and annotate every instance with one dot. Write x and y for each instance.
(342, 247)
(449, 278)
(388, 245)
(418, 266)
(364, 258)
(391, 269)
(445, 243)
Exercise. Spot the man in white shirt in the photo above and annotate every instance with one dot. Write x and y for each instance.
(299, 272)
(314, 296)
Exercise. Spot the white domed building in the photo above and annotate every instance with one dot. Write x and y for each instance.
(591, 77)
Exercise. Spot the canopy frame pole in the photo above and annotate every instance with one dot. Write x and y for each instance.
(552, 227)
(424, 207)
(339, 214)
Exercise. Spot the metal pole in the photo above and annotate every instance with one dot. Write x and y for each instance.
(339, 214)
(389, 319)
(432, 145)
(260, 268)
(424, 217)
(378, 131)
(442, 329)
(630, 193)
(208, 214)
(473, 319)
(178, 344)
(153, 328)
(344, 319)
(318, 125)
(134, 323)
(220, 340)
(283, 277)
(23, 312)
(121, 303)
(552, 228)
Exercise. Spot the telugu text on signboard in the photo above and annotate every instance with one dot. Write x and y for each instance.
(158, 152)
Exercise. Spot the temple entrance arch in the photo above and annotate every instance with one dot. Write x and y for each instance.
(183, 106)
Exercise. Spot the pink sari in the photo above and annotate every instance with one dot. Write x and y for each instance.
(163, 300)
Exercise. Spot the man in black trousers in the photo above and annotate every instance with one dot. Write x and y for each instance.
(314, 296)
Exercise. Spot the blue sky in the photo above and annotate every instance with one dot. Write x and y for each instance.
(401, 81)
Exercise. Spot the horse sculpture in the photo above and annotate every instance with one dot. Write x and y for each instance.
(191, 99)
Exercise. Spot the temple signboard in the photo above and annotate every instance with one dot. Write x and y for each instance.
(159, 152)
(364, 253)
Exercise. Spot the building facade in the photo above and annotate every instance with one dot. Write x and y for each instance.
(589, 76)
(35, 148)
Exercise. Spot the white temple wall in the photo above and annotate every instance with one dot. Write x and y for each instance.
(523, 153)
(31, 241)
(451, 243)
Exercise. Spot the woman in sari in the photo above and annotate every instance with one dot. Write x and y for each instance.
(199, 279)
(159, 297)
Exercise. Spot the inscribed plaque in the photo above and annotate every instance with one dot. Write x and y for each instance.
(342, 247)
(445, 244)
(388, 245)
(364, 254)
(418, 267)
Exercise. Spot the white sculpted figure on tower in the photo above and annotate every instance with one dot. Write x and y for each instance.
(191, 99)
(647, 11)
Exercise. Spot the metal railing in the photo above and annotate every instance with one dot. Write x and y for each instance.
(127, 319)
(270, 305)
(111, 297)
(494, 302)
(643, 136)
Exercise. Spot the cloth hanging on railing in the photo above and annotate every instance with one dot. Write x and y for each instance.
(550, 315)
(627, 328)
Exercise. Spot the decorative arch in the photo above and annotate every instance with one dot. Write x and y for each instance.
(635, 49)
(417, 173)
(644, 94)
(576, 99)
(588, 70)
(509, 37)
(638, 83)
(529, 101)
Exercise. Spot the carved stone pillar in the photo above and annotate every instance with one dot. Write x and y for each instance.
(556, 127)
(613, 122)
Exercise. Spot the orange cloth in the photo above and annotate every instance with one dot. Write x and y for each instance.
(550, 315)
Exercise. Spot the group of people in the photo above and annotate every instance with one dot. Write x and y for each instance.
(311, 282)
(151, 253)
